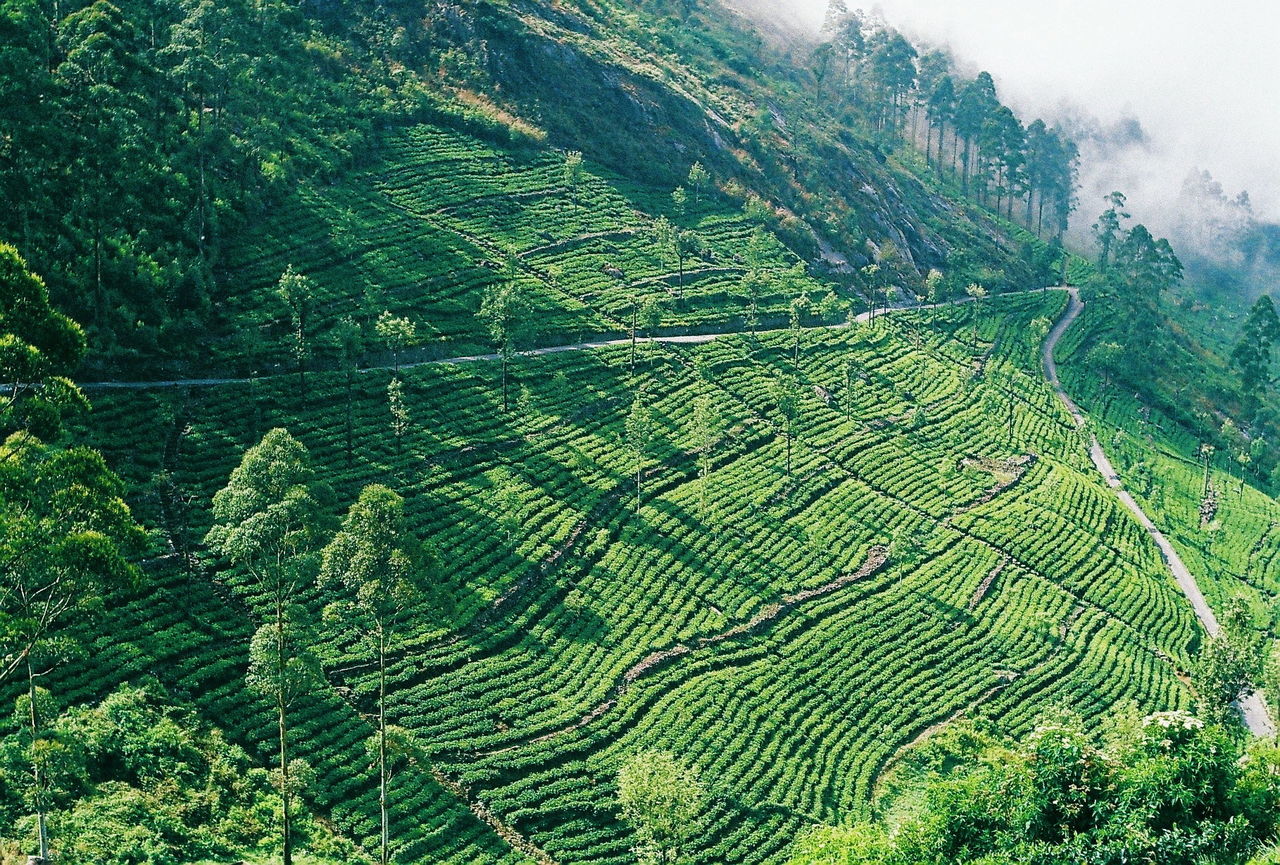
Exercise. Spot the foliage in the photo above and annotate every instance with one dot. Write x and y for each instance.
(639, 434)
(142, 140)
(297, 294)
(1252, 354)
(268, 523)
(397, 333)
(400, 417)
(267, 514)
(66, 543)
(1107, 230)
(384, 574)
(1167, 788)
(556, 580)
(68, 540)
(39, 348)
(505, 311)
(661, 799)
(139, 780)
(1230, 664)
(392, 196)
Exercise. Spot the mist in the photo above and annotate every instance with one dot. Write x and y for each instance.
(1201, 80)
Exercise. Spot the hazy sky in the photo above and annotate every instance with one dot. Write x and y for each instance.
(1203, 78)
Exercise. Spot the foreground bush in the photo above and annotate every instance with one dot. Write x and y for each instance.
(1167, 788)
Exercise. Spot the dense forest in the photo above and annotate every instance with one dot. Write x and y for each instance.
(603, 431)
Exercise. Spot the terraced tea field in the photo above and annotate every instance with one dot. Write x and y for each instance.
(445, 214)
(1236, 554)
(940, 547)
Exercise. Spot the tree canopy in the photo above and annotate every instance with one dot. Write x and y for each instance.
(39, 349)
(1165, 788)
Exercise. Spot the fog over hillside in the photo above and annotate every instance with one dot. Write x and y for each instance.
(1201, 79)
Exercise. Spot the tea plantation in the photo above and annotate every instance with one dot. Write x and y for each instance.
(940, 548)
(510, 398)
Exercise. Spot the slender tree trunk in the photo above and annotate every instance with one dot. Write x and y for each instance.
(634, 304)
(382, 747)
(706, 474)
(99, 301)
(350, 431)
(37, 777)
(26, 230)
(286, 795)
(200, 239)
(505, 404)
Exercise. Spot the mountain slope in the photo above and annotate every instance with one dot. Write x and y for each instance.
(758, 622)
(785, 554)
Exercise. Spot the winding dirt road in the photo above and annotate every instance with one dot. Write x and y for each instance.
(1253, 709)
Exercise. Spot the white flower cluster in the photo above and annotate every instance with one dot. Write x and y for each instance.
(1174, 720)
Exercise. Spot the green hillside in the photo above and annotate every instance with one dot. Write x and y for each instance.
(712, 383)
(826, 620)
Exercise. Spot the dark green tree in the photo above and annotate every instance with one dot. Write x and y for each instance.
(650, 319)
(974, 105)
(786, 396)
(680, 203)
(397, 333)
(1107, 231)
(941, 111)
(931, 67)
(1252, 354)
(1229, 667)
(66, 542)
(639, 437)
(39, 349)
(698, 181)
(102, 81)
(505, 311)
(399, 409)
(1002, 151)
(820, 64)
(383, 576)
(267, 523)
(795, 323)
(892, 71)
(573, 174)
(298, 295)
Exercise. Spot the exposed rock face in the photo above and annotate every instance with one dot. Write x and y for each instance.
(649, 119)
